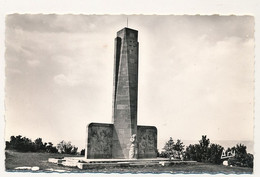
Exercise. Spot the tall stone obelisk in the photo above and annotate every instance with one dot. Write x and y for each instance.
(125, 90)
(123, 139)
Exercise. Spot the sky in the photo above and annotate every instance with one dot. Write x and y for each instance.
(196, 75)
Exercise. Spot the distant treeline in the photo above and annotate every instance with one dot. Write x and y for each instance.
(204, 151)
(207, 152)
(23, 144)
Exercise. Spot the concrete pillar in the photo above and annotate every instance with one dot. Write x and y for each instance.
(125, 91)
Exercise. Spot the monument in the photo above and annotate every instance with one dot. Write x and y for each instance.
(123, 139)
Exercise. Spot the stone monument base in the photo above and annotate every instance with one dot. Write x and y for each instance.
(99, 141)
(83, 163)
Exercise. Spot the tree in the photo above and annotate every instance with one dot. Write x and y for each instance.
(169, 147)
(193, 152)
(39, 145)
(179, 146)
(173, 150)
(204, 151)
(24, 144)
(66, 148)
(74, 150)
(20, 143)
(50, 148)
(214, 153)
(241, 158)
(204, 144)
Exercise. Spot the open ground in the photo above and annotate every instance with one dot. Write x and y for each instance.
(18, 159)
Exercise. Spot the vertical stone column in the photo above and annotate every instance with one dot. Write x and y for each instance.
(125, 91)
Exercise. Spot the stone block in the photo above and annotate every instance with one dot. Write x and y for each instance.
(82, 166)
(54, 160)
(147, 141)
(99, 141)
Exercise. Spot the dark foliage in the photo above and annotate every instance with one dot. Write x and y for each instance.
(24, 144)
(66, 148)
(172, 149)
(82, 152)
(204, 151)
(50, 148)
(242, 158)
(214, 153)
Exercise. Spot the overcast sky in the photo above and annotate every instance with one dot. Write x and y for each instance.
(196, 75)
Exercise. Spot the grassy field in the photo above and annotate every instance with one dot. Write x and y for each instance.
(18, 159)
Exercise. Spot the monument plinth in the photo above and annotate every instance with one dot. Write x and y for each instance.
(115, 140)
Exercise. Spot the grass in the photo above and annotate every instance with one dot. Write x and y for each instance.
(17, 159)
(20, 159)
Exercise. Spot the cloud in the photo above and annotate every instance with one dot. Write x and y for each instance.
(192, 71)
(57, 23)
(63, 80)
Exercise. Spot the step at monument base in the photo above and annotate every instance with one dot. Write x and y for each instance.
(82, 163)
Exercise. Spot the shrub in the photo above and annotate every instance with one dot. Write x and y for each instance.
(24, 144)
(193, 152)
(39, 145)
(50, 148)
(204, 151)
(214, 153)
(20, 143)
(241, 158)
(249, 160)
(204, 148)
(66, 148)
(82, 152)
(169, 147)
(172, 149)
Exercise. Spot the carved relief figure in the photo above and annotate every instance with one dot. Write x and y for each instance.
(133, 147)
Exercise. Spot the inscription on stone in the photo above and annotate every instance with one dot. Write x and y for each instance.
(121, 106)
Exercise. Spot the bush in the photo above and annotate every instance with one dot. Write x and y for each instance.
(66, 148)
(193, 152)
(50, 148)
(214, 153)
(82, 152)
(241, 158)
(249, 160)
(204, 152)
(173, 150)
(20, 143)
(39, 145)
(24, 144)
(163, 154)
(204, 148)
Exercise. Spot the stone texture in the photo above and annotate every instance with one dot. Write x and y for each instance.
(112, 140)
(57, 161)
(147, 141)
(99, 141)
(133, 147)
(125, 89)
